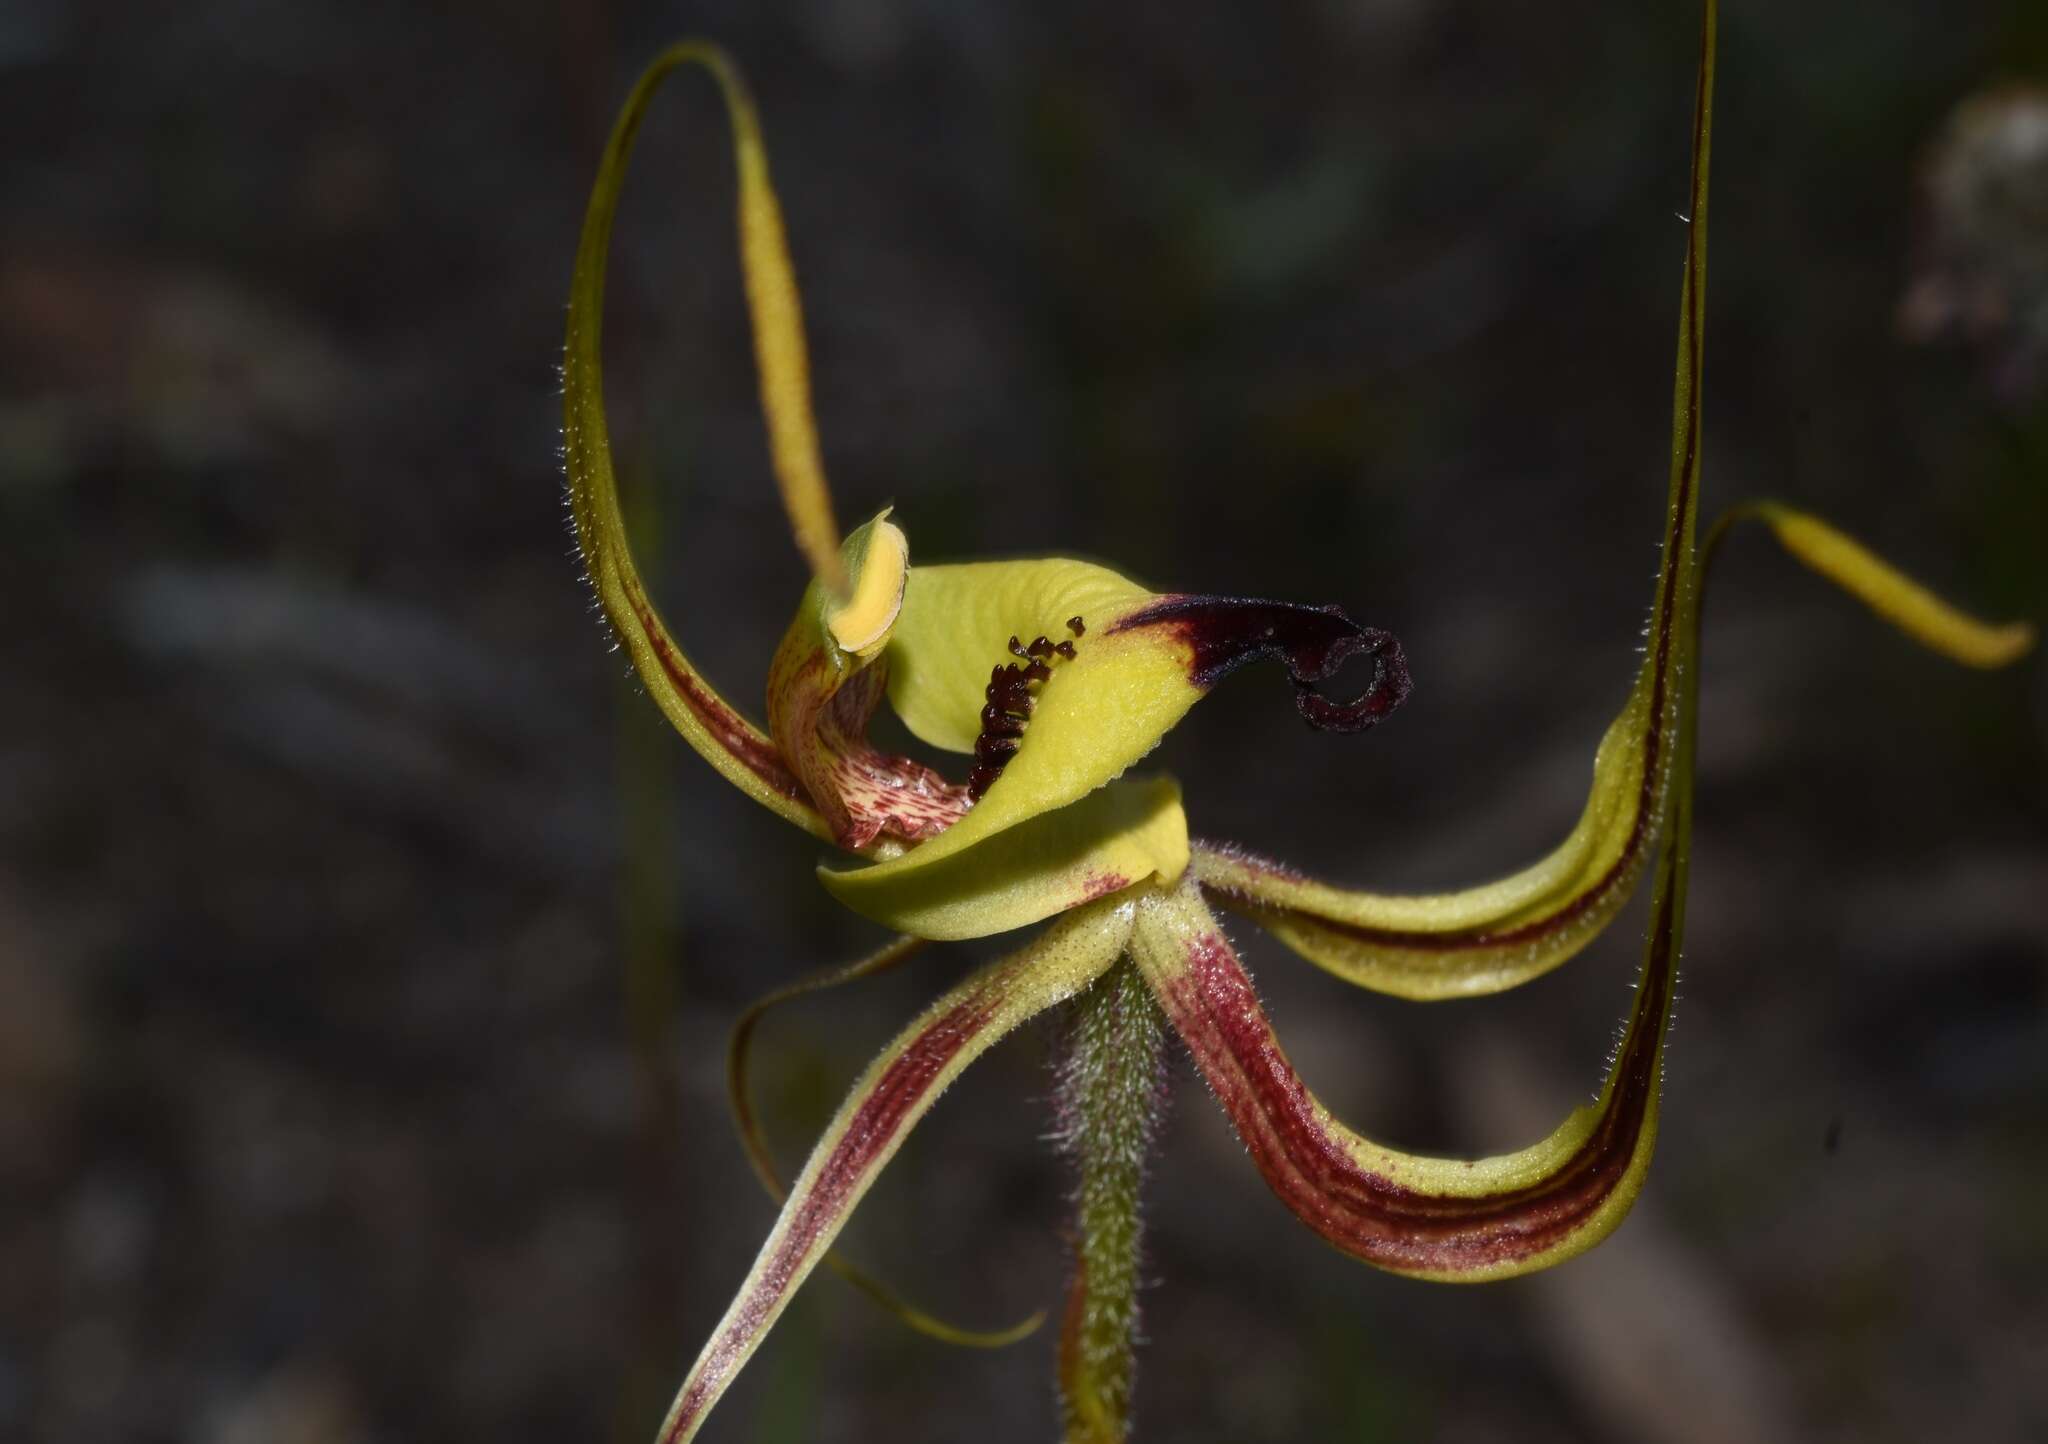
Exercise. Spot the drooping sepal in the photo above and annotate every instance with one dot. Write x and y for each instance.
(1483, 939)
(1494, 936)
(895, 1092)
(1445, 1219)
(740, 1098)
(1449, 1219)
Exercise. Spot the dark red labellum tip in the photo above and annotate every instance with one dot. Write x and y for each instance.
(1224, 633)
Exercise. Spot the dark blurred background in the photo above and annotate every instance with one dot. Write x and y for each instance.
(367, 946)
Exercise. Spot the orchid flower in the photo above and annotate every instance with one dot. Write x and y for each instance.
(1056, 677)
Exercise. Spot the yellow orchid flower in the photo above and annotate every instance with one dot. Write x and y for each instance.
(1056, 677)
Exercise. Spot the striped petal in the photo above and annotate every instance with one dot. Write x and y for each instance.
(1470, 1220)
(1487, 938)
(896, 1091)
(1445, 1219)
(719, 731)
(1495, 936)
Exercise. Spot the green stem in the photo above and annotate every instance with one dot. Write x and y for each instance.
(1111, 1091)
(651, 931)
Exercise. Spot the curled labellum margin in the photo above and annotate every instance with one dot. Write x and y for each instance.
(1060, 824)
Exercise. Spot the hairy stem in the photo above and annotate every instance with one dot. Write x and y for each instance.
(1111, 1091)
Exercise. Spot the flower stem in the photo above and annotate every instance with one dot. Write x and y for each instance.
(1111, 1092)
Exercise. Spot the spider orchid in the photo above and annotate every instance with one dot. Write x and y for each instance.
(1058, 676)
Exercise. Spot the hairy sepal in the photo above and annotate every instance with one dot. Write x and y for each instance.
(894, 1093)
(719, 732)
(1494, 936)
(1448, 1220)
(1472, 1220)
(1482, 939)
(740, 1098)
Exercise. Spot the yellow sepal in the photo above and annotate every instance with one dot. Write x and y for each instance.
(1893, 595)
(718, 730)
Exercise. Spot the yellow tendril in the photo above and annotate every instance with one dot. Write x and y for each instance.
(1887, 591)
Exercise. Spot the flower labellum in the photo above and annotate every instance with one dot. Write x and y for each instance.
(1051, 679)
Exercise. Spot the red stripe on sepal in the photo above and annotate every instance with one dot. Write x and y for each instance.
(1326, 1174)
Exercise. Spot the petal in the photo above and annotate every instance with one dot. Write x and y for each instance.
(870, 1126)
(823, 687)
(1493, 936)
(1482, 939)
(1486, 1218)
(719, 731)
(1436, 1218)
(963, 885)
(740, 1098)
(1490, 938)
